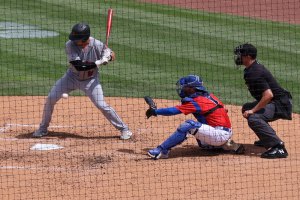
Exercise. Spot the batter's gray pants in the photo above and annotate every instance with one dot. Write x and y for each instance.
(91, 88)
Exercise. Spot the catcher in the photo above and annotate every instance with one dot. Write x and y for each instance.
(212, 128)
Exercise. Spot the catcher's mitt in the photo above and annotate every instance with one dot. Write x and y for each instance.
(152, 107)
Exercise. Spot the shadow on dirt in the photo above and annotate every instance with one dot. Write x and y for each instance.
(195, 151)
(64, 135)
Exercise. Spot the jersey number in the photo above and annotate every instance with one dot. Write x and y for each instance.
(90, 73)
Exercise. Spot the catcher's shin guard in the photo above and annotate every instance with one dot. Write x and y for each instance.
(180, 134)
(175, 139)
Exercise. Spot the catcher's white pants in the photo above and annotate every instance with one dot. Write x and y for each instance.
(214, 136)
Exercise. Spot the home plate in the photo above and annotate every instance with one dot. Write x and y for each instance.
(45, 147)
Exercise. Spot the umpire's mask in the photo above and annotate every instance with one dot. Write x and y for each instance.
(244, 50)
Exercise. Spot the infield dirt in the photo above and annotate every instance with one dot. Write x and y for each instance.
(96, 164)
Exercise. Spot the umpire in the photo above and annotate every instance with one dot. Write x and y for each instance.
(272, 101)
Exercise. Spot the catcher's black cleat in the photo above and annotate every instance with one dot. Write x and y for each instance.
(231, 147)
(240, 150)
(278, 151)
(258, 143)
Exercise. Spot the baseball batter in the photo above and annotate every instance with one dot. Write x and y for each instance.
(212, 128)
(85, 54)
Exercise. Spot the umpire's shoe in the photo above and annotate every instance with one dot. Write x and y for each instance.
(158, 153)
(278, 151)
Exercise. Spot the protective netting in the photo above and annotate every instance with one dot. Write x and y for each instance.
(81, 155)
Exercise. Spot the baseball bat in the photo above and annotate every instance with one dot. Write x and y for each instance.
(108, 24)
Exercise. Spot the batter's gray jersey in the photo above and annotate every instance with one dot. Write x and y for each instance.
(94, 51)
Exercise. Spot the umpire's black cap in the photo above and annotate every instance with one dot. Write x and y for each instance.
(80, 31)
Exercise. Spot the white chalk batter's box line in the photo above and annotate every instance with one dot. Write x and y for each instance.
(53, 169)
(8, 126)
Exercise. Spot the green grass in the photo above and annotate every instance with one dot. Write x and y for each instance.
(154, 44)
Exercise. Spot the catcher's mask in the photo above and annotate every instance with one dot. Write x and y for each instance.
(80, 31)
(192, 81)
(244, 50)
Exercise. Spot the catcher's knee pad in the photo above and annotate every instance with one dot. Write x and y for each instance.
(189, 126)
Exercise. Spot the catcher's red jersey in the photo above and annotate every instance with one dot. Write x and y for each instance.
(199, 105)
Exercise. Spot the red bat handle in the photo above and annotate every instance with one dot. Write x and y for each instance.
(108, 24)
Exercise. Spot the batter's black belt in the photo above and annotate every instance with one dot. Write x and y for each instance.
(83, 66)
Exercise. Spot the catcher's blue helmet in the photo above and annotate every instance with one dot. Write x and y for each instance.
(192, 81)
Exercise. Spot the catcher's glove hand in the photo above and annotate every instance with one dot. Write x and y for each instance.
(152, 107)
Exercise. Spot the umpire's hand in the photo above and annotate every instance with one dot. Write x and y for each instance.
(247, 113)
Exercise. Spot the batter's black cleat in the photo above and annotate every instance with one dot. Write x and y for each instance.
(258, 143)
(277, 151)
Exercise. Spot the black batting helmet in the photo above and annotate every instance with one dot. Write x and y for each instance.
(80, 31)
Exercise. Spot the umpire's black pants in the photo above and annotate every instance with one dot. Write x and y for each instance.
(259, 123)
